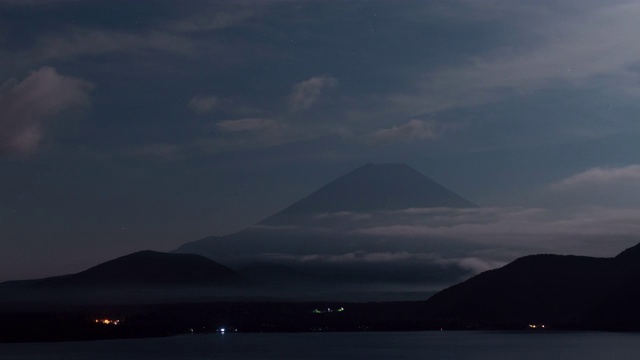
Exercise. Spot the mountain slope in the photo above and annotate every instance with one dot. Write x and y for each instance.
(546, 289)
(374, 187)
(147, 268)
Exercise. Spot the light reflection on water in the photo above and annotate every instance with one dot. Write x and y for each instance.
(397, 345)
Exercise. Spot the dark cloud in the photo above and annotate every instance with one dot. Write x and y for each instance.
(26, 106)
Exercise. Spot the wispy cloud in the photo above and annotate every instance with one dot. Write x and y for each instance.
(26, 106)
(398, 266)
(591, 229)
(173, 36)
(343, 215)
(473, 239)
(161, 151)
(596, 44)
(600, 176)
(472, 263)
(250, 124)
(215, 19)
(306, 93)
(411, 131)
(203, 104)
(82, 42)
(31, 2)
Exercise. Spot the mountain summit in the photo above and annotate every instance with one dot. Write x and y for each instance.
(376, 187)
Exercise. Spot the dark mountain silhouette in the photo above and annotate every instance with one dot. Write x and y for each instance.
(325, 223)
(630, 256)
(559, 291)
(370, 188)
(373, 187)
(144, 268)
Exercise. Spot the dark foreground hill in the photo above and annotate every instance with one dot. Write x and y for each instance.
(141, 276)
(559, 292)
(552, 290)
(150, 268)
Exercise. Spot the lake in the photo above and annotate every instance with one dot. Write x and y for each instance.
(366, 345)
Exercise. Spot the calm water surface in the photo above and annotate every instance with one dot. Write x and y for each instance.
(399, 345)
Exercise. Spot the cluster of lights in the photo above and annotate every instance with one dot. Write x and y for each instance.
(329, 310)
(107, 321)
(223, 330)
(534, 326)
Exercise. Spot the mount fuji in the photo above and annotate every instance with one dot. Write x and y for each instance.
(320, 234)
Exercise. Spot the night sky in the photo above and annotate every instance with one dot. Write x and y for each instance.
(131, 125)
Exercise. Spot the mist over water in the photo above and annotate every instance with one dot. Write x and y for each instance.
(397, 345)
